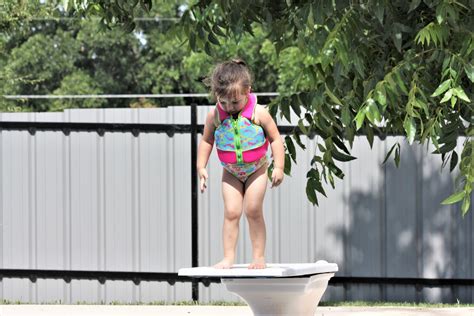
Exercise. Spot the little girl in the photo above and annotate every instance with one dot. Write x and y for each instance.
(242, 131)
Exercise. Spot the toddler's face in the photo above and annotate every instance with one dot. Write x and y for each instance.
(233, 104)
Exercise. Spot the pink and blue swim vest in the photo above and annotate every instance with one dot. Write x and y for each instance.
(239, 140)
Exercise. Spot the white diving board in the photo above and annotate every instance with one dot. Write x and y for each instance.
(272, 270)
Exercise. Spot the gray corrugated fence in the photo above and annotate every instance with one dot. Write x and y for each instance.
(123, 203)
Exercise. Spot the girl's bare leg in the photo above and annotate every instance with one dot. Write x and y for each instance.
(255, 188)
(233, 193)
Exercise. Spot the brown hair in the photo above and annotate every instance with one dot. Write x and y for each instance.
(229, 78)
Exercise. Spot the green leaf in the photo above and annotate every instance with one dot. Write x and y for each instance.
(373, 113)
(350, 135)
(200, 31)
(379, 10)
(421, 104)
(346, 115)
(295, 105)
(336, 170)
(329, 114)
(459, 92)
(370, 135)
(287, 169)
(331, 180)
(446, 148)
(216, 29)
(442, 88)
(397, 39)
(270, 171)
(213, 39)
(360, 118)
(410, 128)
(447, 96)
(208, 49)
(456, 197)
(332, 96)
(454, 161)
(389, 79)
(302, 127)
(321, 147)
(316, 159)
(297, 138)
(273, 108)
(323, 133)
(291, 147)
(446, 62)
(319, 188)
(465, 205)
(440, 13)
(313, 173)
(380, 96)
(341, 157)
(469, 70)
(400, 82)
(285, 109)
(310, 191)
(340, 144)
(453, 101)
(397, 156)
(390, 152)
(449, 137)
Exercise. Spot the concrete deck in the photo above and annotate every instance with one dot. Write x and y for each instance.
(147, 310)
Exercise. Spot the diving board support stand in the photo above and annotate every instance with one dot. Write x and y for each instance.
(280, 289)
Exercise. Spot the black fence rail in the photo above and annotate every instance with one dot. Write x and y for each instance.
(171, 277)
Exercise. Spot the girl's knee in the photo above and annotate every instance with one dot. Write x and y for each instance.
(233, 214)
(254, 213)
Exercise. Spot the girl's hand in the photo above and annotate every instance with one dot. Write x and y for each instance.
(277, 177)
(202, 172)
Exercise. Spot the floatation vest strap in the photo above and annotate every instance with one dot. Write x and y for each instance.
(218, 121)
(237, 143)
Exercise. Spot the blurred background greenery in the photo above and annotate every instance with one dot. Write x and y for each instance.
(46, 52)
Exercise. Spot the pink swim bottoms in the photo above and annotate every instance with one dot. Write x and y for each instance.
(244, 170)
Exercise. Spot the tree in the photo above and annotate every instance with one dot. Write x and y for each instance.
(49, 52)
(13, 16)
(61, 54)
(78, 82)
(375, 66)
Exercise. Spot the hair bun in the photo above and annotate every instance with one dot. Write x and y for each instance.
(239, 62)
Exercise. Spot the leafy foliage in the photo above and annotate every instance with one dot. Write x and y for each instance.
(78, 82)
(60, 54)
(76, 56)
(372, 66)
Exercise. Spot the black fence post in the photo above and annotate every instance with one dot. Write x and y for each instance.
(194, 199)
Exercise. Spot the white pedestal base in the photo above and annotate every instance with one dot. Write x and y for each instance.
(280, 296)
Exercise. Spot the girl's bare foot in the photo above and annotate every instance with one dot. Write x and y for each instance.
(258, 263)
(224, 264)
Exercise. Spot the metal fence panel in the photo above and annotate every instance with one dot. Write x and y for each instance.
(122, 203)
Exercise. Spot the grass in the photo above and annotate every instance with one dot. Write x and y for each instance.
(396, 304)
(226, 303)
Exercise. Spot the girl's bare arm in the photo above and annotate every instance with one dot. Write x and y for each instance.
(207, 142)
